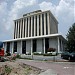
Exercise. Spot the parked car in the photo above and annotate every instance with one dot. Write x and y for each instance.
(68, 55)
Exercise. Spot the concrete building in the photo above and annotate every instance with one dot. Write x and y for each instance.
(35, 32)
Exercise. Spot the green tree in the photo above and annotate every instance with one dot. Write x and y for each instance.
(70, 45)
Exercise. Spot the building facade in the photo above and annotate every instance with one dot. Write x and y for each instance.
(35, 32)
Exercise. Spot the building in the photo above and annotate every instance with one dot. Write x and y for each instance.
(35, 32)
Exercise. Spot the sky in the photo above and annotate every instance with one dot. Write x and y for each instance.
(10, 10)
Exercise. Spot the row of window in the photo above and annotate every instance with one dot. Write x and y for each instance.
(32, 26)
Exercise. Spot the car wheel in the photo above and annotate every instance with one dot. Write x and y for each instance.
(69, 58)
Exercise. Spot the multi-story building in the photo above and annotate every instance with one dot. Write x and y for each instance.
(35, 32)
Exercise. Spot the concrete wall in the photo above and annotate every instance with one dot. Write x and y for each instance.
(53, 26)
(53, 43)
(39, 45)
(28, 46)
(19, 47)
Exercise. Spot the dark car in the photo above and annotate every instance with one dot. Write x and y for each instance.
(68, 55)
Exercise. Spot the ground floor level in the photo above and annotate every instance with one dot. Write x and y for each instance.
(28, 46)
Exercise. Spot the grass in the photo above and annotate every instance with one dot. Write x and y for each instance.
(7, 69)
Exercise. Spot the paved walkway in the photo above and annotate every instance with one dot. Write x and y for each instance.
(59, 68)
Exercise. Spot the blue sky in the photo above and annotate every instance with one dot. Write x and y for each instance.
(10, 10)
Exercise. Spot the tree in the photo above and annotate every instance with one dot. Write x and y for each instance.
(70, 45)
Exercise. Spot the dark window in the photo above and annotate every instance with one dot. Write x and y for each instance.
(30, 28)
(8, 47)
(14, 30)
(36, 25)
(23, 47)
(34, 45)
(39, 24)
(27, 29)
(46, 25)
(46, 44)
(24, 27)
(33, 26)
(43, 24)
(15, 46)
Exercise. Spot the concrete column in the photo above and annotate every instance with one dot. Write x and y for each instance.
(31, 47)
(16, 30)
(61, 46)
(25, 27)
(34, 25)
(20, 26)
(41, 23)
(12, 47)
(58, 45)
(44, 24)
(37, 25)
(21, 48)
(31, 25)
(5, 47)
(48, 21)
(44, 45)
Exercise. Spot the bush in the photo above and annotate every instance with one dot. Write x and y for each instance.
(51, 50)
(37, 53)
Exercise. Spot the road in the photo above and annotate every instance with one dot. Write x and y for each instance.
(61, 68)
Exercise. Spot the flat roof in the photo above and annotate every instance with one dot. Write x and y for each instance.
(36, 37)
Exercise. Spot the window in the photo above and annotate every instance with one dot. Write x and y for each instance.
(46, 25)
(43, 24)
(27, 29)
(15, 46)
(33, 26)
(14, 29)
(36, 25)
(30, 28)
(39, 24)
(24, 27)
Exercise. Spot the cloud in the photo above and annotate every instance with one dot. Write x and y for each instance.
(10, 13)
(64, 12)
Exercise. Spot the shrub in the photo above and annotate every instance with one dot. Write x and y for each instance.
(51, 50)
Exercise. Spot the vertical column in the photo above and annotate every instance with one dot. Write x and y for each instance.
(58, 45)
(28, 25)
(61, 46)
(44, 45)
(25, 27)
(44, 24)
(31, 47)
(18, 29)
(21, 48)
(31, 25)
(41, 23)
(37, 25)
(14, 29)
(48, 21)
(12, 43)
(34, 25)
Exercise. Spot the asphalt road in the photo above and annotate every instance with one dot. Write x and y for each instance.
(61, 68)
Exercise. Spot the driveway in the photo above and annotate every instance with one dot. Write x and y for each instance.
(61, 68)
